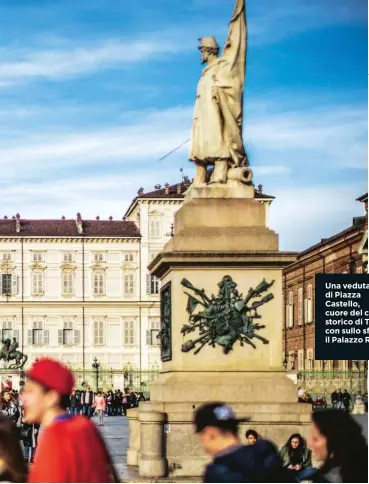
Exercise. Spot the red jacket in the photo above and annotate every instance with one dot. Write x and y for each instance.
(71, 451)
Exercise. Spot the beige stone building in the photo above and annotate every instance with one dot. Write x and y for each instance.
(80, 289)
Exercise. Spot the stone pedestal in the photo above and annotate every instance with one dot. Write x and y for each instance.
(219, 231)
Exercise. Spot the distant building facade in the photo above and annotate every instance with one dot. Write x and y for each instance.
(345, 252)
(79, 289)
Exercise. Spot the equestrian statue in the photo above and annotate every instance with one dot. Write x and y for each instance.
(9, 352)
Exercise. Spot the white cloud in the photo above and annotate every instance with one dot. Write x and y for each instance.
(340, 132)
(71, 61)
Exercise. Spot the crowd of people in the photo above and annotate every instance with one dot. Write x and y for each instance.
(111, 404)
(340, 399)
(53, 416)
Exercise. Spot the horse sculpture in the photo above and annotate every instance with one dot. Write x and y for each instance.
(18, 356)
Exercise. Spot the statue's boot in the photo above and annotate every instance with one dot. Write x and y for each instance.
(200, 175)
(219, 174)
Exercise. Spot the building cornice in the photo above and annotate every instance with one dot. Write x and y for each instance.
(63, 240)
(108, 305)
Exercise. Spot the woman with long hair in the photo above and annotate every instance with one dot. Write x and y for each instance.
(12, 465)
(337, 441)
(295, 454)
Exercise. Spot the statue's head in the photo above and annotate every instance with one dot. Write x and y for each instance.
(208, 46)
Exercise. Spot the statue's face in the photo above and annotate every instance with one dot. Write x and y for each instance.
(204, 55)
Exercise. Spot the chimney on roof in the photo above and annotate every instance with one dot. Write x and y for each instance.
(97, 218)
(157, 187)
(260, 188)
(110, 218)
(166, 189)
(179, 189)
(140, 191)
(17, 223)
(79, 223)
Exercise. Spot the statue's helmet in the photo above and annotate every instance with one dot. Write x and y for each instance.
(209, 42)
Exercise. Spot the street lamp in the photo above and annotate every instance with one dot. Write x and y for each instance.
(96, 367)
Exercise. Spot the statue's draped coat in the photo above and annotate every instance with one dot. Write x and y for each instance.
(217, 122)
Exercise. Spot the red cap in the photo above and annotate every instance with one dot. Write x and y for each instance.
(53, 375)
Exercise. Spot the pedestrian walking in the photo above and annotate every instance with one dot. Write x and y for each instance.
(334, 399)
(87, 399)
(125, 401)
(73, 403)
(100, 407)
(217, 428)
(12, 465)
(70, 448)
(346, 400)
(337, 441)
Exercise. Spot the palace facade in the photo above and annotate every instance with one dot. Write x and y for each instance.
(80, 289)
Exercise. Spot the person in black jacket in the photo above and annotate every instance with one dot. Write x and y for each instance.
(217, 428)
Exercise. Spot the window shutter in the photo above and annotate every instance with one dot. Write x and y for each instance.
(1, 283)
(15, 284)
(290, 298)
(306, 310)
(77, 336)
(290, 317)
(46, 337)
(16, 334)
(300, 305)
(60, 337)
(148, 337)
(310, 291)
(30, 337)
(148, 284)
(96, 333)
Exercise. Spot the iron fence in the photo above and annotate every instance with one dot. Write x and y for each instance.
(321, 384)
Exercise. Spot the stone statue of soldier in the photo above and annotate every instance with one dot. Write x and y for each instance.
(217, 122)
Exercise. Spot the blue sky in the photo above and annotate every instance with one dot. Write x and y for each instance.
(94, 92)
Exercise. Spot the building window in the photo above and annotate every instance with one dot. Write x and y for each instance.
(68, 280)
(309, 304)
(99, 333)
(7, 332)
(99, 257)
(129, 284)
(359, 270)
(6, 283)
(37, 256)
(152, 284)
(152, 332)
(310, 359)
(6, 256)
(37, 335)
(129, 257)
(129, 333)
(300, 360)
(300, 314)
(68, 336)
(37, 283)
(289, 310)
(68, 257)
(155, 228)
(99, 284)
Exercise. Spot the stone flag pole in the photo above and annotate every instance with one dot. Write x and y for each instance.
(221, 289)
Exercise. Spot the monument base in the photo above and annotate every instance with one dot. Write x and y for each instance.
(264, 397)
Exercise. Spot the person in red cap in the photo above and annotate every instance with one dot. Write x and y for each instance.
(70, 447)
